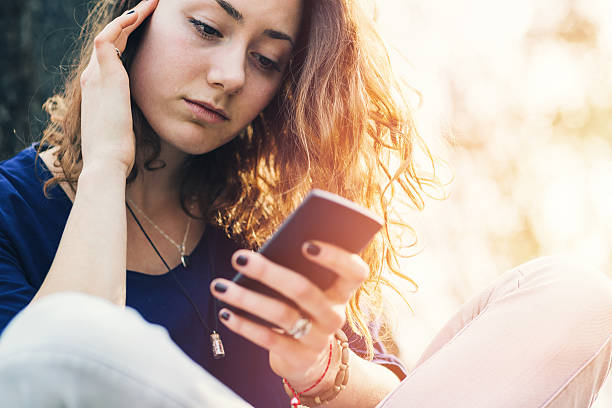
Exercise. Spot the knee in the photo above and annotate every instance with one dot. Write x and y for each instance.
(568, 275)
(571, 292)
(67, 320)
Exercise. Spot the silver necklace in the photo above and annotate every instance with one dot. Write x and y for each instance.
(218, 351)
(181, 248)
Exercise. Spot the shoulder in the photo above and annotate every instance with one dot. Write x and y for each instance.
(15, 185)
(31, 224)
(16, 176)
(27, 169)
(21, 188)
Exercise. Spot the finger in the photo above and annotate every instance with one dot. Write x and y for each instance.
(269, 309)
(269, 339)
(351, 269)
(104, 43)
(115, 34)
(294, 286)
(143, 10)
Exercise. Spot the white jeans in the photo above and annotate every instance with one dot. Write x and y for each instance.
(538, 337)
(74, 350)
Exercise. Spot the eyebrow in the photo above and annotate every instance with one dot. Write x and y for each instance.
(236, 15)
(278, 35)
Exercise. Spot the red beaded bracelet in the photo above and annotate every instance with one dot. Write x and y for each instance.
(295, 401)
(339, 383)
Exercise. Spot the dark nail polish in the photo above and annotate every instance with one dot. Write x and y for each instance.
(220, 287)
(130, 12)
(242, 260)
(313, 249)
(225, 315)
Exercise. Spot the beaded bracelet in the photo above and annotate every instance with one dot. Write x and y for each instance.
(339, 383)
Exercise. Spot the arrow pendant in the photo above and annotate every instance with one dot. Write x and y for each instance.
(185, 260)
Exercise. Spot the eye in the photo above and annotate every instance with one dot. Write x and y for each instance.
(266, 63)
(205, 30)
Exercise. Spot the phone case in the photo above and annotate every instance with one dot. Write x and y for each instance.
(321, 216)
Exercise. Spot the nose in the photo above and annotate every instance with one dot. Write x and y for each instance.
(227, 70)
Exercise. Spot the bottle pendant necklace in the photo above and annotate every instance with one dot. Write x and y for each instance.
(218, 351)
(217, 346)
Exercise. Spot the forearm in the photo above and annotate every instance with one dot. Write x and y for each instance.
(91, 256)
(368, 384)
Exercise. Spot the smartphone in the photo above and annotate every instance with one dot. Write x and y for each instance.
(322, 216)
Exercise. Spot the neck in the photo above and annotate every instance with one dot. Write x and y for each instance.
(157, 192)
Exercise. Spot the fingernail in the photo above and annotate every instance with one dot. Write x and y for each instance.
(130, 12)
(225, 315)
(242, 260)
(220, 287)
(313, 249)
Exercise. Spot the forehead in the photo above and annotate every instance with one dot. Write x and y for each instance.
(281, 13)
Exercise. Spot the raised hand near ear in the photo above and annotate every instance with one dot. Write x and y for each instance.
(107, 135)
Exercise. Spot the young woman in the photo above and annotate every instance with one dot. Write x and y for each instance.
(188, 131)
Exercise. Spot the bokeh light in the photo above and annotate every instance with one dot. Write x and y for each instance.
(517, 97)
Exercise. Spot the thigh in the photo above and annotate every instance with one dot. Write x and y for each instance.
(78, 350)
(538, 336)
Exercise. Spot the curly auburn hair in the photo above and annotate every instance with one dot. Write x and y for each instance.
(338, 122)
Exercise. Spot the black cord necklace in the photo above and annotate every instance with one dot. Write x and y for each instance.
(217, 345)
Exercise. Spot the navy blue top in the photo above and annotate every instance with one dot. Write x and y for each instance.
(31, 227)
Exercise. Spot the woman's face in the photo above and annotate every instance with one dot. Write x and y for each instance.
(229, 54)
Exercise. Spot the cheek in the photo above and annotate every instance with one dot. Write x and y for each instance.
(252, 101)
(161, 64)
(259, 96)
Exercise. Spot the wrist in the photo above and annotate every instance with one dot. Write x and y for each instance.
(105, 169)
(320, 373)
(329, 385)
(95, 178)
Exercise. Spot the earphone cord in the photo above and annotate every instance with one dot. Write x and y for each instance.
(175, 279)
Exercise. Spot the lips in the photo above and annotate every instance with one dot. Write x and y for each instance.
(210, 107)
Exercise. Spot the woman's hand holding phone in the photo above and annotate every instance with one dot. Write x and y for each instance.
(308, 269)
(303, 360)
(107, 136)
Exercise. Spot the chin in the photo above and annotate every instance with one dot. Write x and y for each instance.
(196, 140)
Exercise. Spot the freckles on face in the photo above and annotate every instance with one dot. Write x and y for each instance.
(162, 67)
(218, 60)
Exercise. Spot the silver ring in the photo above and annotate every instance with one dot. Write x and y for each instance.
(118, 52)
(300, 328)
